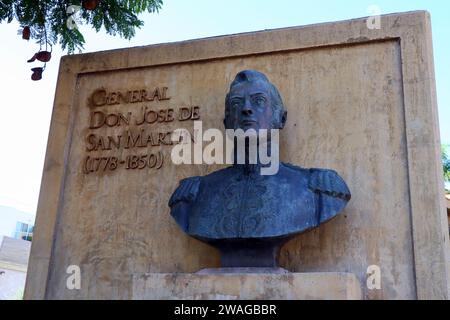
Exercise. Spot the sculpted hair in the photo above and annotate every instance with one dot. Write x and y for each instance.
(253, 76)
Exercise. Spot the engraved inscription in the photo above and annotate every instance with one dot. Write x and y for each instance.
(137, 125)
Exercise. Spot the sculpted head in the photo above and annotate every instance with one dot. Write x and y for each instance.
(253, 103)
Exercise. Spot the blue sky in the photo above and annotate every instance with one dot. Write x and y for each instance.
(27, 105)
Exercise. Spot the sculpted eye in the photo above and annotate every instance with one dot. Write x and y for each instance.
(235, 103)
(260, 100)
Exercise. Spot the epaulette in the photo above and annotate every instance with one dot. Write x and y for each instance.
(328, 182)
(187, 191)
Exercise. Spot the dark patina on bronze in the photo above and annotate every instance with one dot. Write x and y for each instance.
(246, 215)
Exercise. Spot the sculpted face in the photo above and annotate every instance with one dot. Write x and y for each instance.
(250, 106)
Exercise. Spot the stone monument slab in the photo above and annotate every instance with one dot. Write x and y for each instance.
(360, 101)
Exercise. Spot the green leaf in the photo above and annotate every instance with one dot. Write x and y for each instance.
(47, 19)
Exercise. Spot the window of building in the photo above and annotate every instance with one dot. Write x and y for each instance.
(23, 231)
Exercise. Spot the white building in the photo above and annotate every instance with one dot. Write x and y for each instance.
(16, 232)
(14, 254)
(16, 224)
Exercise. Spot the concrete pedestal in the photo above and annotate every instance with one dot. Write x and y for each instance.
(247, 286)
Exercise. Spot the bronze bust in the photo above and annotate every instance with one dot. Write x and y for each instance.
(246, 215)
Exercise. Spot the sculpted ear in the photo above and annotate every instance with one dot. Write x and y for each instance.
(283, 119)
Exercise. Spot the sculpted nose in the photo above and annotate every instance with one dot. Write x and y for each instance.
(247, 110)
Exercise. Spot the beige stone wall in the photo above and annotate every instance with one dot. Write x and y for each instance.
(360, 101)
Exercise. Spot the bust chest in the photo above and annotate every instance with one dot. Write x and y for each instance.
(239, 205)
